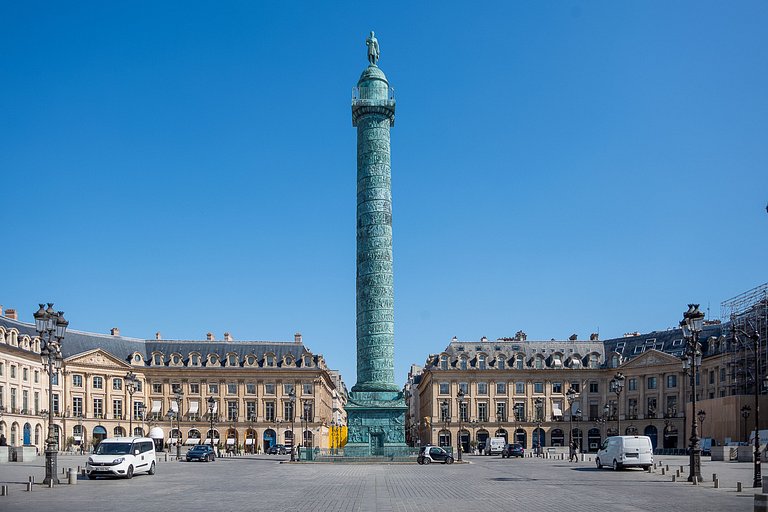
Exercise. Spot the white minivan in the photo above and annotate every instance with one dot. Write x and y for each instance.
(625, 451)
(122, 456)
(495, 445)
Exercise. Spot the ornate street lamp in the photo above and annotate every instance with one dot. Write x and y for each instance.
(461, 402)
(755, 339)
(130, 386)
(292, 400)
(211, 408)
(570, 396)
(692, 324)
(539, 404)
(617, 386)
(745, 414)
(702, 415)
(178, 395)
(51, 327)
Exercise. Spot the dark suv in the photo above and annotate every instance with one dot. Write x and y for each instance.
(277, 449)
(201, 452)
(512, 450)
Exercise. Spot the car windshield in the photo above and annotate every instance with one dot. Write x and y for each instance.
(199, 448)
(113, 449)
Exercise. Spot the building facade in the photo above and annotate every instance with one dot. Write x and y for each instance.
(257, 393)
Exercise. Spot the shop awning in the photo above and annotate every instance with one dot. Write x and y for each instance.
(249, 441)
(230, 441)
(208, 441)
(78, 438)
(556, 411)
(156, 406)
(192, 440)
(193, 408)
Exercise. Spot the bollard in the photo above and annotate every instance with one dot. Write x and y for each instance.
(714, 476)
(4, 490)
(663, 472)
(82, 471)
(738, 486)
(673, 478)
(667, 467)
(717, 483)
(677, 473)
(166, 457)
(29, 486)
(72, 476)
(765, 485)
(50, 484)
(582, 457)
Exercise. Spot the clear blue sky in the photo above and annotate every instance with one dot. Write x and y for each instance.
(558, 167)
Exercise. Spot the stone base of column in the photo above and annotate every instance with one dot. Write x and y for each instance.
(376, 424)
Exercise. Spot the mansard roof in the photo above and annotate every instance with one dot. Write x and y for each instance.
(669, 341)
(122, 347)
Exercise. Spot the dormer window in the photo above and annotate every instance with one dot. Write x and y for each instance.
(250, 360)
(539, 363)
(195, 359)
(213, 360)
(288, 361)
(176, 359)
(463, 363)
(307, 360)
(520, 363)
(232, 360)
(443, 362)
(481, 362)
(157, 359)
(500, 363)
(270, 360)
(137, 358)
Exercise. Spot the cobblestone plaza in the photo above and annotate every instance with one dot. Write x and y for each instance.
(267, 483)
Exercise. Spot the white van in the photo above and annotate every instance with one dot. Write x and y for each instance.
(495, 445)
(625, 451)
(122, 456)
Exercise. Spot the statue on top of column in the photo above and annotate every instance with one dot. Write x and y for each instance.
(373, 49)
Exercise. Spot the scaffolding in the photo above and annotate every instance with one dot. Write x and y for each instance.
(743, 316)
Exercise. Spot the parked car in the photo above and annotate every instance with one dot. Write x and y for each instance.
(122, 456)
(277, 449)
(429, 454)
(625, 451)
(512, 450)
(201, 452)
(495, 445)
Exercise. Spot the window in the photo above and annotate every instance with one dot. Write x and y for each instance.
(519, 388)
(501, 388)
(288, 389)
(463, 411)
(139, 385)
(463, 363)
(270, 360)
(175, 359)
(500, 363)
(25, 401)
(157, 387)
(711, 376)
(632, 384)
(557, 387)
(501, 411)
(671, 381)
(250, 411)
(481, 362)
(482, 411)
(287, 410)
(213, 388)
(445, 388)
(37, 377)
(77, 406)
(269, 411)
(593, 388)
(117, 384)
(538, 387)
(2, 368)
(77, 381)
(651, 381)
(232, 360)
(137, 406)
(176, 388)
(194, 388)
(13, 371)
(519, 411)
(250, 388)
(651, 409)
(722, 374)
(307, 388)
(482, 388)
(464, 387)
(445, 411)
(37, 401)
(98, 407)
(98, 383)
(519, 363)
(232, 410)
(269, 388)
(195, 359)
(231, 388)
(443, 362)
(55, 379)
(576, 386)
(539, 363)
(117, 409)
(55, 403)
(25, 374)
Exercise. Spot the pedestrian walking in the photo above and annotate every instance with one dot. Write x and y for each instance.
(573, 456)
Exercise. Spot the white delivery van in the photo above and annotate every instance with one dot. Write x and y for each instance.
(495, 445)
(625, 451)
(122, 456)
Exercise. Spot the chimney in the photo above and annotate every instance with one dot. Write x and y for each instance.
(594, 337)
(210, 337)
(115, 331)
(157, 336)
(297, 337)
(228, 337)
(1, 310)
(11, 313)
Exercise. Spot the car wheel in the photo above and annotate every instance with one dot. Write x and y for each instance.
(597, 462)
(91, 476)
(129, 473)
(449, 460)
(616, 465)
(213, 458)
(427, 460)
(152, 469)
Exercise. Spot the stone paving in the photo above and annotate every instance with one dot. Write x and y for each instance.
(264, 483)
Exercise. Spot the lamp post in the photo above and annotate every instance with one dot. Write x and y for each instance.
(292, 400)
(539, 404)
(211, 408)
(570, 396)
(130, 386)
(745, 414)
(51, 327)
(141, 409)
(82, 433)
(601, 421)
(617, 386)
(755, 339)
(178, 395)
(702, 415)
(461, 402)
(692, 324)
(446, 418)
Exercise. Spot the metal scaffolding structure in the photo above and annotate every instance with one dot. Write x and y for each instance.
(744, 315)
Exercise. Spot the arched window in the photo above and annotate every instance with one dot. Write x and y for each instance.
(481, 362)
(443, 362)
(500, 363)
